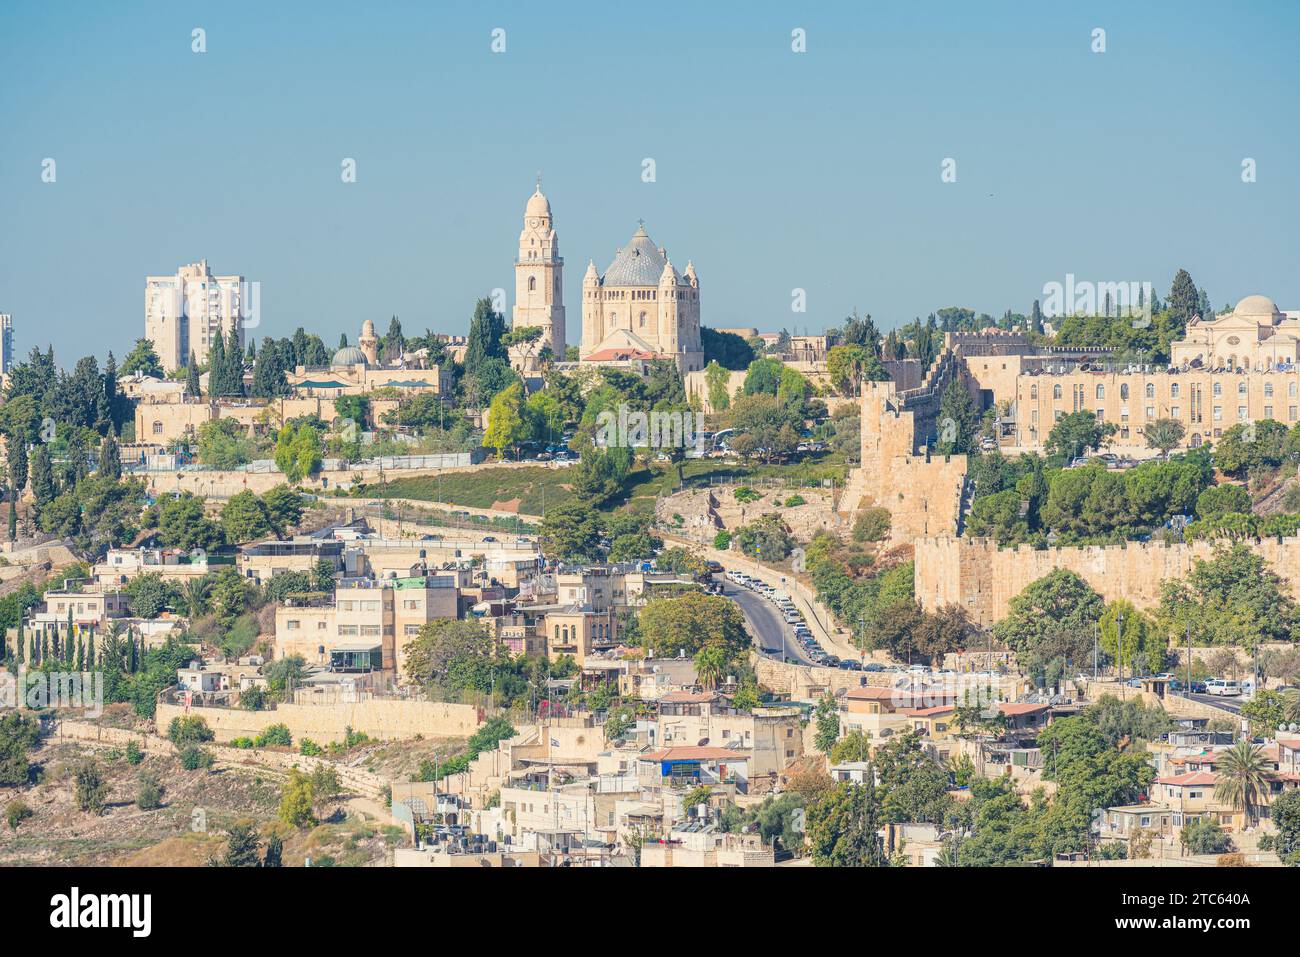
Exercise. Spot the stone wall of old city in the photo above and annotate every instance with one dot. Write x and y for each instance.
(983, 578)
(383, 718)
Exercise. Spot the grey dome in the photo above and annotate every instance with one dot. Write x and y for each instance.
(348, 356)
(639, 263)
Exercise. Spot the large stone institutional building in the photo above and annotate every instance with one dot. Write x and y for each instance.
(642, 306)
(1239, 367)
(640, 309)
(184, 312)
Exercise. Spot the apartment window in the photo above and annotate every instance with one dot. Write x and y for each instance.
(1291, 389)
(411, 630)
(1218, 413)
(292, 624)
(1151, 412)
(370, 606)
(1175, 411)
(1218, 389)
(1173, 390)
(1241, 387)
(1241, 413)
(1268, 412)
(1290, 413)
(1101, 415)
(1056, 392)
(345, 630)
(346, 605)
(1268, 390)
(157, 428)
(1033, 391)
(1101, 392)
(321, 625)
(411, 604)
(1123, 391)
(370, 631)
(1151, 390)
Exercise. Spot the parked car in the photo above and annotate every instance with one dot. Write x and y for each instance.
(1223, 687)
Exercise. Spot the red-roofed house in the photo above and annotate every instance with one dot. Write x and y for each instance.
(1025, 717)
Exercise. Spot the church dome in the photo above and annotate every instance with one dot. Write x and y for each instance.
(1256, 307)
(538, 205)
(639, 263)
(347, 357)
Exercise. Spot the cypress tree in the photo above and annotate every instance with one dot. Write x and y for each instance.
(192, 388)
(110, 458)
(90, 648)
(81, 655)
(13, 515)
(234, 364)
(18, 652)
(42, 478)
(217, 367)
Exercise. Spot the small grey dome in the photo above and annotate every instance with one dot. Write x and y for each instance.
(347, 357)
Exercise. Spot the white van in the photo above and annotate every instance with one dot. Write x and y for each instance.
(1223, 687)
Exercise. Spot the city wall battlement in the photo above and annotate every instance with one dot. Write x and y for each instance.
(983, 578)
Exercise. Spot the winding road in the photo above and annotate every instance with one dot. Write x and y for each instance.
(771, 633)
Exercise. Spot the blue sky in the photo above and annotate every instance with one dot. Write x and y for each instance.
(775, 170)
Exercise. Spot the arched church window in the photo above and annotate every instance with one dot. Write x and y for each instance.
(532, 283)
(643, 320)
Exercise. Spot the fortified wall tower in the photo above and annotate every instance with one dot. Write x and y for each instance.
(922, 492)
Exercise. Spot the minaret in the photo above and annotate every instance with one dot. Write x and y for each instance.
(539, 276)
(368, 343)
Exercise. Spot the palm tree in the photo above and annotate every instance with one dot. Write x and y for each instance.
(1243, 779)
(195, 595)
(709, 662)
(1291, 705)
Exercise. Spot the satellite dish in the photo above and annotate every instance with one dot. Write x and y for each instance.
(703, 742)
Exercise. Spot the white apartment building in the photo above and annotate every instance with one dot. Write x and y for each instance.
(184, 312)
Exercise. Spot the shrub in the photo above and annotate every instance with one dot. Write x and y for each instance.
(243, 742)
(188, 730)
(252, 699)
(722, 540)
(872, 525)
(16, 812)
(276, 734)
(133, 753)
(148, 795)
(310, 748)
(1205, 837)
(89, 789)
(794, 501)
(194, 758)
(746, 494)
